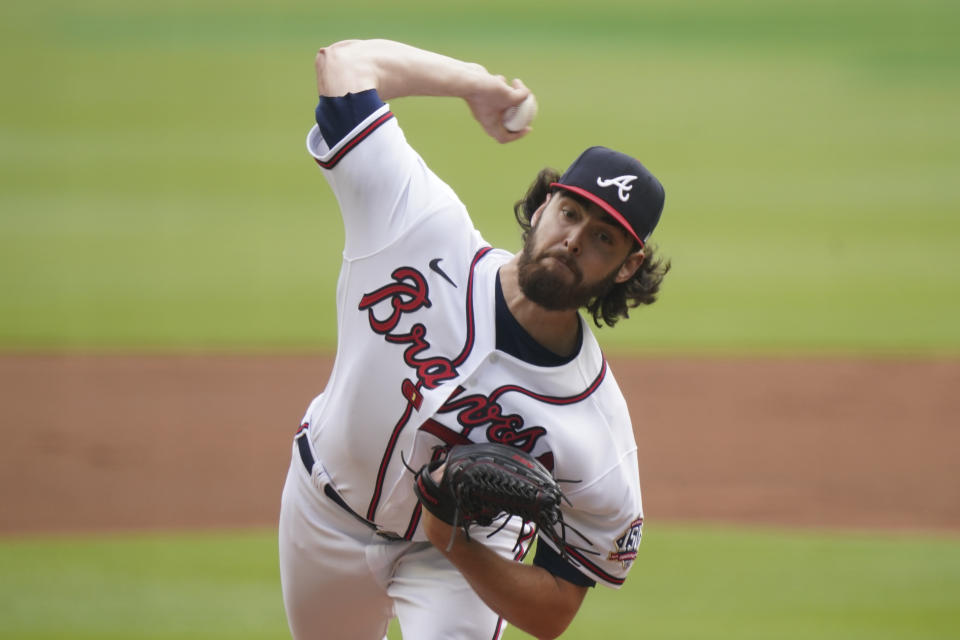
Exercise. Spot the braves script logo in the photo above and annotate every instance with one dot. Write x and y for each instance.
(406, 294)
(621, 182)
(625, 547)
(477, 411)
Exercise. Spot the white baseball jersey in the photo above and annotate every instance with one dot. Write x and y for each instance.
(417, 367)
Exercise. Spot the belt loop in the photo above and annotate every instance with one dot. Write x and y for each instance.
(310, 462)
(318, 477)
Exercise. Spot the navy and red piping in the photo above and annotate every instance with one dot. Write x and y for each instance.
(556, 400)
(459, 360)
(357, 139)
(600, 573)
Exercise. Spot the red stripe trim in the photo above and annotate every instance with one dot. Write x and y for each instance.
(557, 400)
(414, 522)
(385, 461)
(525, 538)
(332, 162)
(596, 570)
(467, 348)
(418, 510)
(501, 627)
(471, 323)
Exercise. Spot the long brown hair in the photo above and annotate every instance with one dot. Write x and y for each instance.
(642, 288)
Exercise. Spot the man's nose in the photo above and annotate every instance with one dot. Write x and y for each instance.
(573, 241)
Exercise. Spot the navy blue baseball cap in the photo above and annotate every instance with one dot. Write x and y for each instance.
(619, 185)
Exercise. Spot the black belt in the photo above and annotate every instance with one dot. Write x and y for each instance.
(306, 456)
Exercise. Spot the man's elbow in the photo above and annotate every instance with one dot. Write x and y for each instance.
(554, 620)
(565, 607)
(331, 51)
(337, 67)
(555, 626)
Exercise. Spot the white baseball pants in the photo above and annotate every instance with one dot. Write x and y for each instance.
(344, 582)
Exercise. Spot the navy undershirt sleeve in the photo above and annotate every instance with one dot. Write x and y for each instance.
(338, 116)
(547, 558)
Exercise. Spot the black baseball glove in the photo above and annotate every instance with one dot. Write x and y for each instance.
(483, 481)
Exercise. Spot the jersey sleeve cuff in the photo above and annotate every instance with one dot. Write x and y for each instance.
(592, 567)
(338, 116)
(547, 558)
(327, 155)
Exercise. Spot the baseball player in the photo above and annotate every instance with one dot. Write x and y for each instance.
(444, 340)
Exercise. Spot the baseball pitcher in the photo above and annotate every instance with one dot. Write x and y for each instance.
(470, 410)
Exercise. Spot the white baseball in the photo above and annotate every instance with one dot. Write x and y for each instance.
(519, 117)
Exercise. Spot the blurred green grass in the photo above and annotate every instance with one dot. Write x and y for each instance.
(155, 191)
(689, 583)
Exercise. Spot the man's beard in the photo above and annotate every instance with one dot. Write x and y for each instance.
(543, 286)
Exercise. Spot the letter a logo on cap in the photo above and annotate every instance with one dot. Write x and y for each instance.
(622, 183)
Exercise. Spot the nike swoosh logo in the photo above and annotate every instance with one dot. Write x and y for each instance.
(435, 266)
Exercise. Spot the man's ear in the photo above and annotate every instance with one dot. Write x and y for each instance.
(630, 266)
(539, 211)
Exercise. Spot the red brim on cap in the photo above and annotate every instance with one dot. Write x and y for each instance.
(603, 204)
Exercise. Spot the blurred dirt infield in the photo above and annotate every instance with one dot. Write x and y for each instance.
(99, 443)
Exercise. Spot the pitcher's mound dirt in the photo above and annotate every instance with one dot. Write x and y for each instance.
(94, 443)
